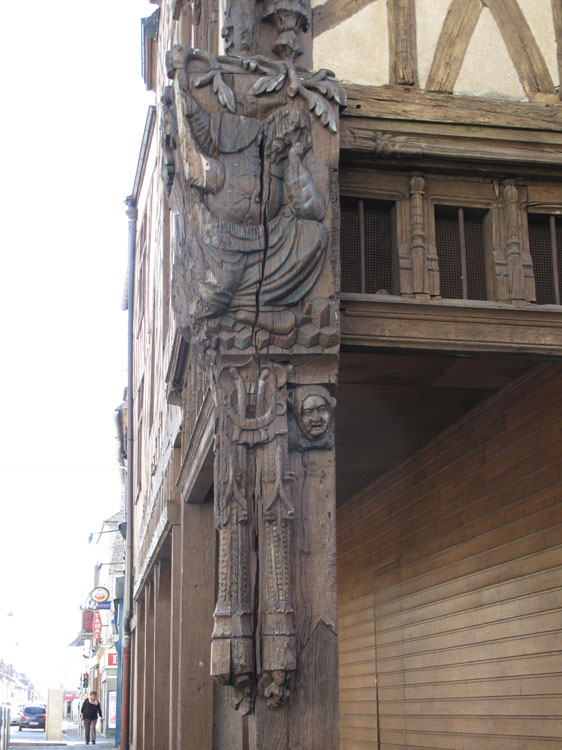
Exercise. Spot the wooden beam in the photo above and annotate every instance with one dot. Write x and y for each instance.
(137, 695)
(458, 27)
(162, 705)
(195, 694)
(522, 47)
(451, 325)
(333, 12)
(148, 715)
(386, 141)
(557, 19)
(404, 103)
(175, 605)
(402, 42)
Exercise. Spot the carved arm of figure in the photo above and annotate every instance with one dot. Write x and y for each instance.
(194, 135)
(301, 190)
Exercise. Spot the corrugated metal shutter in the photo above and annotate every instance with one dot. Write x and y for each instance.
(450, 586)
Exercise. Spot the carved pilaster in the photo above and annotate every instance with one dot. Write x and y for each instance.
(418, 244)
(512, 242)
(425, 269)
(250, 147)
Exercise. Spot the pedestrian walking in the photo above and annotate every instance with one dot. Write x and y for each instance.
(91, 709)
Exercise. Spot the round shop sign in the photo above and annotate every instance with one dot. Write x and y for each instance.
(99, 594)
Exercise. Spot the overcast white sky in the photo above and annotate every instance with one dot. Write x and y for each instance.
(73, 112)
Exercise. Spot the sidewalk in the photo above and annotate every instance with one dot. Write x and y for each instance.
(70, 738)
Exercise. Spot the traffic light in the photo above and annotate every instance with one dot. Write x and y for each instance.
(85, 680)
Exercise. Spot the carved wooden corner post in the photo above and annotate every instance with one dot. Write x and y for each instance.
(250, 156)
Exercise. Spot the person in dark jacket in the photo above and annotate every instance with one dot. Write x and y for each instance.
(91, 709)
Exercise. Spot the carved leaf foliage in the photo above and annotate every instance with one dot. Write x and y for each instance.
(322, 109)
(258, 64)
(329, 89)
(267, 84)
(317, 89)
(206, 78)
(224, 93)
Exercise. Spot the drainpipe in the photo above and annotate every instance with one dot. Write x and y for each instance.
(131, 214)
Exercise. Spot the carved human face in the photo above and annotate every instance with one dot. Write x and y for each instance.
(315, 415)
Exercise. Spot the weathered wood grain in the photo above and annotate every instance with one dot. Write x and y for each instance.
(450, 325)
(404, 103)
(402, 42)
(557, 19)
(453, 42)
(333, 12)
(148, 676)
(522, 47)
(161, 654)
(194, 700)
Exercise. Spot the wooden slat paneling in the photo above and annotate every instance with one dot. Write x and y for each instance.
(450, 586)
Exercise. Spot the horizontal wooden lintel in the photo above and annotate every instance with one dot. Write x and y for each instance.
(408, 103)
(385, 141)
(462, 326)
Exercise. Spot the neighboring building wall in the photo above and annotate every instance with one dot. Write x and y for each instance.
(449, 585)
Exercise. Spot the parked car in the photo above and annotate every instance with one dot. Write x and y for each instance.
(32, 717)
(15, 715)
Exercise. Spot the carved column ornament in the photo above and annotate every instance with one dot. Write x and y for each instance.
(516, 258)
(250, 153)
(425, 268)
(289, 17)
(418, 245)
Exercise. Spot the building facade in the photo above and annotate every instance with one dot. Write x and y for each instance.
(343, 449)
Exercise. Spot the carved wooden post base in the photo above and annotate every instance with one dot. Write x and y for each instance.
(271, 426)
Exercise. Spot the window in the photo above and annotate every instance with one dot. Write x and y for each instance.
(366, 240)
(141, 273)
(545, 244)
(460, 242)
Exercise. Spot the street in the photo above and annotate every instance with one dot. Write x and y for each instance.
(27, 735)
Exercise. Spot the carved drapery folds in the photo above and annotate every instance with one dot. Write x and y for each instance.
(249, 160)
(253, 495)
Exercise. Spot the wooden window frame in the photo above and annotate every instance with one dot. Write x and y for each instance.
(553, 213)
(361, 197)
(488, 226)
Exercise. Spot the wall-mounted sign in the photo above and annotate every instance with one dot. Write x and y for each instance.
(99, 594)
(112, 659)
(112, 709)
(97, 626)
(87, 622)
(91, 604)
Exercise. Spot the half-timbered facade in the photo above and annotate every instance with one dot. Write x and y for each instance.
(345, 388)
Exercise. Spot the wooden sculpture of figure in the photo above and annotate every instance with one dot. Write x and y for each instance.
(261, 241)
